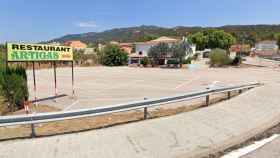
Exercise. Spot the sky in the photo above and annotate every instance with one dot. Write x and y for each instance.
(39, 20)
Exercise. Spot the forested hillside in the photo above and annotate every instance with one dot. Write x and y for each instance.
(243, 33)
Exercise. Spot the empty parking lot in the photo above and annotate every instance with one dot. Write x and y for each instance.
(101, 86)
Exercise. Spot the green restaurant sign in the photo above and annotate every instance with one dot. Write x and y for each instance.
(38, 52)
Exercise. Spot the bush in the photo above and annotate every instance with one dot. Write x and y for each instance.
(113, 55)
(187, 61)
(219, 57)
(237, 60)
(172, 62)
(195, 56)
(145, 61)
(13, 84)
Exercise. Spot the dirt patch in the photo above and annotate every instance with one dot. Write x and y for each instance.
(85, 124)
(3, 106)
(246, 66)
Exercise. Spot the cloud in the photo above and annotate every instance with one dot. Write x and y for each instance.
(89, 24)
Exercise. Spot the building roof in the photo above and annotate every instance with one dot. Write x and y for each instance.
(267, 42)
(163, 39)
(126, 44)
(73, 41)
(76, 44)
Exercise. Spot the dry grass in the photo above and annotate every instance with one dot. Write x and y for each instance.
(84, 124)
(3, 106)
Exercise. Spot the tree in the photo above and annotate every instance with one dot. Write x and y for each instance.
(78, 56)
(199, 39)
(179, 51)
(220, 39)
(158, 52)
(113, 55)
(212, 39)
(277, 36)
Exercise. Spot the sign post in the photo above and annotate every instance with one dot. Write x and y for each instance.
(21, 52)
(73, 88)
(55, 83)
(34, 83)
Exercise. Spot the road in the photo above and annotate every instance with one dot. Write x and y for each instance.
(270, 150)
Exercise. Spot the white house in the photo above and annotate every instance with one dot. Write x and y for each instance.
(142, 48)
(266, 48)
(267, 45)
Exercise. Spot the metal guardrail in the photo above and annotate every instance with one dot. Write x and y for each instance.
(65, 115)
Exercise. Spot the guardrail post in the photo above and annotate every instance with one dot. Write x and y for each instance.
(33, 132)
(228, 94)
(207, 100)
(145, 111)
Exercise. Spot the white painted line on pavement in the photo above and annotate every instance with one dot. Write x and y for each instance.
(71, 105)
(248, 149)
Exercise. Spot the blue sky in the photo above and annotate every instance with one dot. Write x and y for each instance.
(36, 20)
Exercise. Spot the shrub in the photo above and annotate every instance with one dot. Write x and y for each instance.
(188, 60)
(145, 61)
(13, 84)
(172, 62)
(219, 57)
(113, 55)
(195, 56)
(237, 60)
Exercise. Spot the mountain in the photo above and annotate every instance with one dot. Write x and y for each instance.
(243, 33)
(130, 34)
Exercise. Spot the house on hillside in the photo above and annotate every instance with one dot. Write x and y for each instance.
(127, 47)
(78, 45)
(142, 48)
(266, 48)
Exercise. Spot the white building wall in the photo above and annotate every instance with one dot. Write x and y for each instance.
(143, 47)
(266, 46)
